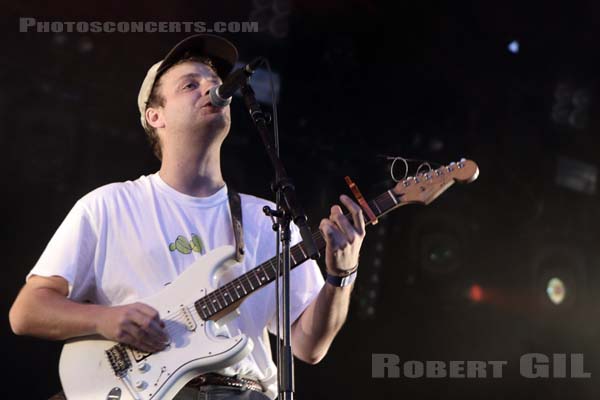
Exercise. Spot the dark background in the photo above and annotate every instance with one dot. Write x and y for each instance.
(421, 80)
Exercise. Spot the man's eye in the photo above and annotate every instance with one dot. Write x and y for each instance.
(191, 85)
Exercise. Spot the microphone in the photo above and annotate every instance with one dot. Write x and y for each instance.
(220, 96)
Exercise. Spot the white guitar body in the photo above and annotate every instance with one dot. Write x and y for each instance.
(196, 345)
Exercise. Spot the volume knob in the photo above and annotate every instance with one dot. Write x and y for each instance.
(140, 385)
(142, 366)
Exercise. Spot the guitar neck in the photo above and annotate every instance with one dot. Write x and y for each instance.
(421, 189)
(244, 285)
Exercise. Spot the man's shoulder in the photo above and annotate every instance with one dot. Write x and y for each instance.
(117, 192)
(252, 208)
(251, 201)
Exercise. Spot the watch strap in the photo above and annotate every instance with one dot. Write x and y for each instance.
(341, 281)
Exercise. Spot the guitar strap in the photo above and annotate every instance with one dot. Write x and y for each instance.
(235, 206)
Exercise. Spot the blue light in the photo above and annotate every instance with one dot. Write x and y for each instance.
(513, 47)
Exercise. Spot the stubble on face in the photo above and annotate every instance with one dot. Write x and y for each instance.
(187, 110)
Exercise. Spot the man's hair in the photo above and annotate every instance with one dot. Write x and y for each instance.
(157, 100)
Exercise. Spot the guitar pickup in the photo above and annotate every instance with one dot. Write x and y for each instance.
(188, 319)
(138, 355)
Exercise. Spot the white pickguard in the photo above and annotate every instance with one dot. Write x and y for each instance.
(85, 370)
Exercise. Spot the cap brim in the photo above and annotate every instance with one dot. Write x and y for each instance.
(221, 51)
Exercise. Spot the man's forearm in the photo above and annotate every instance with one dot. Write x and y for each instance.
(42, 309)
(45, 313)
(316, 328)
(314, 331)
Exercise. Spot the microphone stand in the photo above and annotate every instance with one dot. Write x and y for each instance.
(287, 211)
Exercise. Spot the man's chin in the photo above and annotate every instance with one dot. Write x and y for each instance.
(214, 125)
(218, 124)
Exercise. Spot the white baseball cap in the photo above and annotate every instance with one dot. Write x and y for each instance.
(221, 51)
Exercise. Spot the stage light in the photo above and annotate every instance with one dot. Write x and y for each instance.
(560, 275)
(440, 253)
(438, 243)
(577, 175)
(513, 47)
(556, 290)
(475, 293)
(572, 105)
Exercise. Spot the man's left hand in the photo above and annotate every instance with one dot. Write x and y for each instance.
(343, 238)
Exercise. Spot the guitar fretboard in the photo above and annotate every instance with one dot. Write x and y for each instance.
(256, 278)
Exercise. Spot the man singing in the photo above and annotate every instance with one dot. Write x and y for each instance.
(125, 241)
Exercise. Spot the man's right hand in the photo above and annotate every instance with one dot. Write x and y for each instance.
(137, 325)
(42, 309)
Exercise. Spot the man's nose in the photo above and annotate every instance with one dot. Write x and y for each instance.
(209, 88)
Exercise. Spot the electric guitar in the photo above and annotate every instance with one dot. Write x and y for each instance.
(92, 367)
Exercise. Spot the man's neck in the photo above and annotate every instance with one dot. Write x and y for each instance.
(196, 174)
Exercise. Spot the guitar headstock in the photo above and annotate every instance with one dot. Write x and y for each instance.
(427, 186)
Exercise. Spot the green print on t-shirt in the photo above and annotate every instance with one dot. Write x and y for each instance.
(185, 246)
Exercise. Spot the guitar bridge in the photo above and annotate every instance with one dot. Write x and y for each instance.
(119, 360)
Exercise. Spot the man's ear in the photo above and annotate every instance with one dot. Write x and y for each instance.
(154, 117)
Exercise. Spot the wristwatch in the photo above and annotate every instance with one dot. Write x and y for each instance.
(341, 281)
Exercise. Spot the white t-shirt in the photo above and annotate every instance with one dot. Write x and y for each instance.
(122, 242)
